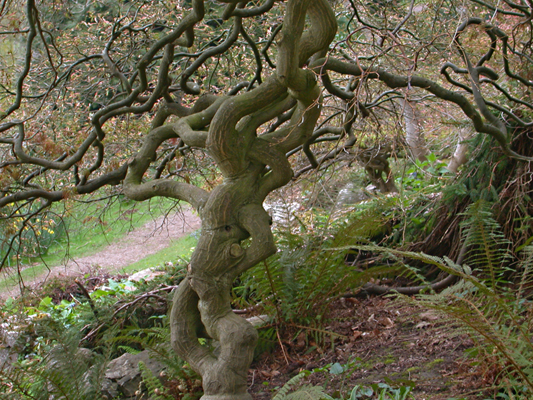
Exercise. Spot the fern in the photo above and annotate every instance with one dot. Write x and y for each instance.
(309, 392)
(63, 373)
(300, 281)
(305, 392)
(128, 349)
(487, 247)
(156, 390)
(157, 341)
(499, 320)
(291, 383)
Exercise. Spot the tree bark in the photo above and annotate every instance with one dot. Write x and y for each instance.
(413, 134)
(251, 166)
(459, 155)
(232, 213)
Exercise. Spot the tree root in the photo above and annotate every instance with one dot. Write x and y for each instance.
(371, 288)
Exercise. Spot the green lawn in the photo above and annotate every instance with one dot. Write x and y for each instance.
(181, 248)
(87, 227)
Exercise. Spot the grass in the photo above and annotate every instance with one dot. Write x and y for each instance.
(89, 227)
(182, 247)
(94, 226)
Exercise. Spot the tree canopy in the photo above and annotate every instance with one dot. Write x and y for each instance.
(148, 96)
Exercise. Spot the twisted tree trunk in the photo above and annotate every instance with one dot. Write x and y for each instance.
(252, 166)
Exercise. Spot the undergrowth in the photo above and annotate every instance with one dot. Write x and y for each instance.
(63, 348)
(320, 259)
(296, 286)
(491, 302)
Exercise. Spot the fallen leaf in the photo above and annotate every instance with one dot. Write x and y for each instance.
(422, 324)
(386, 322)
(429, 316)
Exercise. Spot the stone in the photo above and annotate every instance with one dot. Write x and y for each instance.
(258, 320)
(12, 338)
(349, 195)
(123, 374)
(109, 389)
(146, 275)
(7, 358)
(282, 213)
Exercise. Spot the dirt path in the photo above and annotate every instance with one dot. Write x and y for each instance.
(136, 245)
(139, 243)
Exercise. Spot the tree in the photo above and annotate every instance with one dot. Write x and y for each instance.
(105, 94)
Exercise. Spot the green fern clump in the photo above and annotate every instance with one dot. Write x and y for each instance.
(308, 392)
(293, 390)
(484, 242)
(65, 372)
(299, 282)
(184, 382)
(155, 389)
(297, 285)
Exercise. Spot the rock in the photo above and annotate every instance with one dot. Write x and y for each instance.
(8, 336)
(7, 358)
(58, 356)
(258, 320)
(123, 374)
(14, 334)
(146, 275)
(282, 213)
(349, 194)
(109, 389)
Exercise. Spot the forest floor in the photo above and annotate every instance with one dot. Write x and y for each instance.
(377, 339)
(380, 341)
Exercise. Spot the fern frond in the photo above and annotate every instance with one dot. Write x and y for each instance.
(291, 383)
(366, 224)
(526, 276)
(62, 374)
(309, 392)
(156, 390)
(499, 324)
(487, 247)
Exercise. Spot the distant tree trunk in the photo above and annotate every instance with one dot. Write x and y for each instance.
(413, 134)
(376, 163)
(459, 156)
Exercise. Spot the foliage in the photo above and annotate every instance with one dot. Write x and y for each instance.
(79, 63)
(156, 391)
(425, 176)
(485, 244)
(219, 105)
(380, 391)
(489, 303)
(60, 370)
(295, 388)
(72, 229)
(303, 278)
(488, 177)
(53, 334)
(303, 392)
(26, 238)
